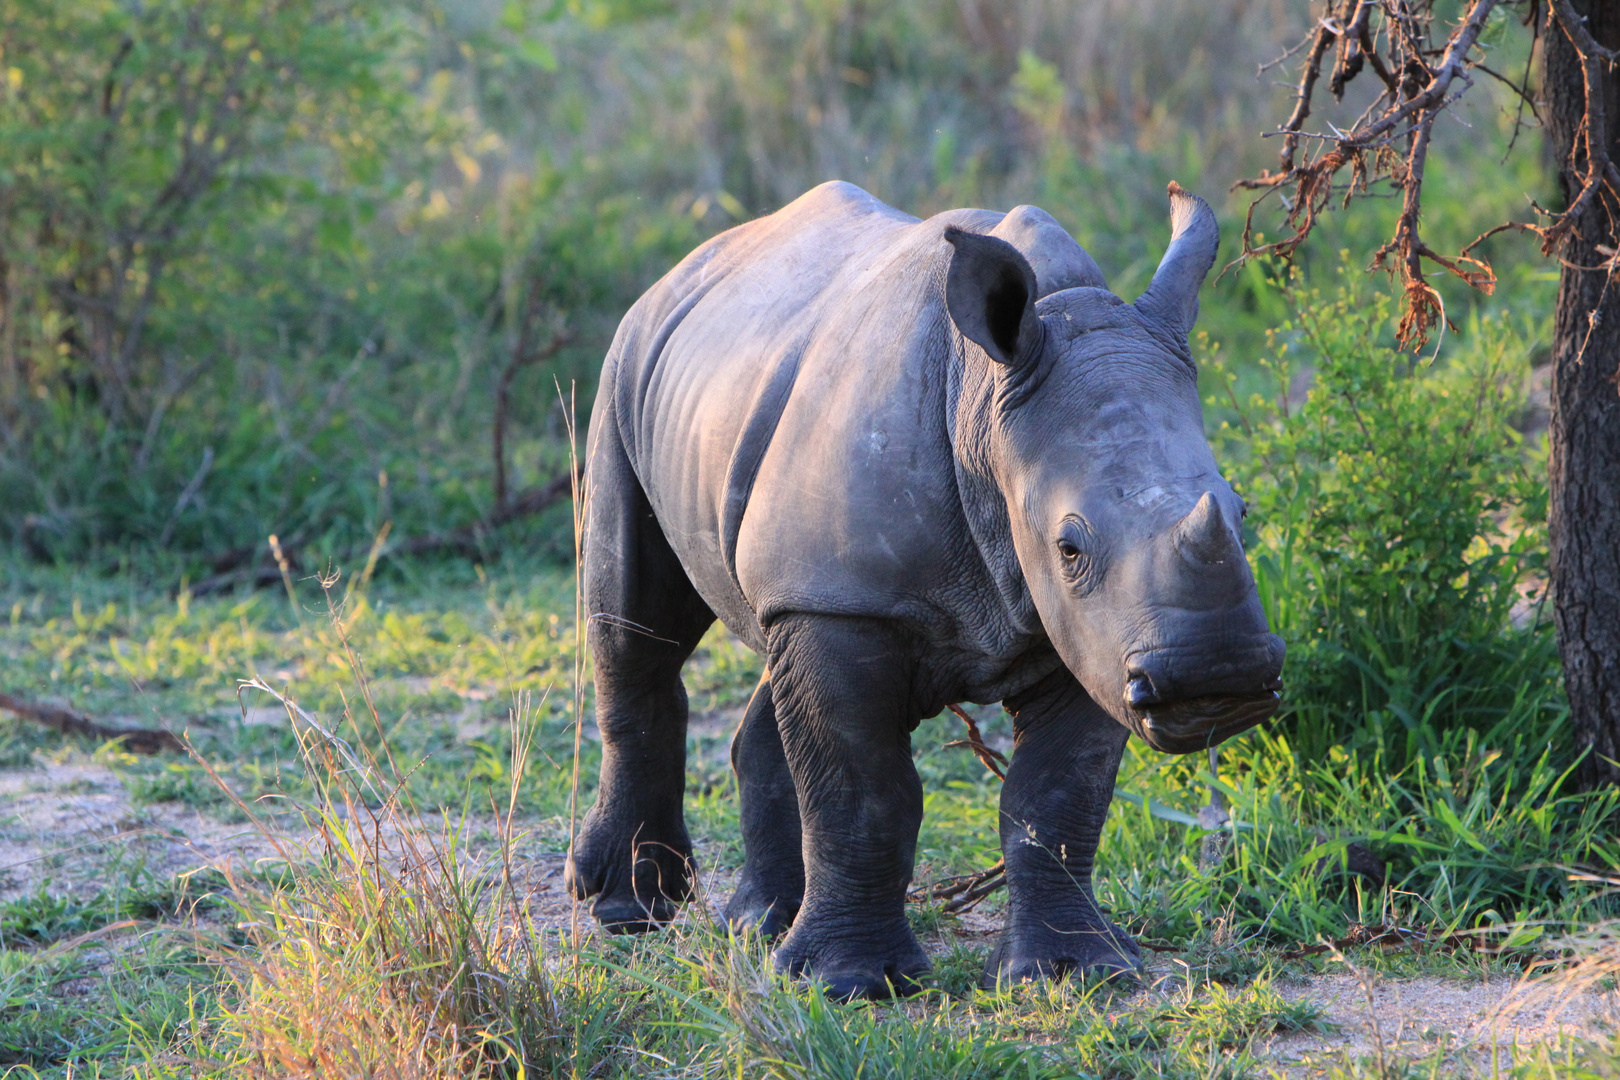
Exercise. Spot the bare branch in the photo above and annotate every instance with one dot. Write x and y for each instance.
(231, 572)
(1523, 94)
(1599, 170)
(1392, 85)
(1423, 305)
(523, 354)
(1433, 97)
(1414, 95)
(1574, 25)
(1302, 98)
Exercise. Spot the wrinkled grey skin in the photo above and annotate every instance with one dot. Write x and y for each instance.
(912, 463)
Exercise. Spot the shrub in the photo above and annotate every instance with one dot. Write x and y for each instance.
(1398, 541)
(1398, 530)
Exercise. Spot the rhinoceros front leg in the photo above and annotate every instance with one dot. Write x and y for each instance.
(1066, 754)
(842, 691)
(770, 889)
(632, 852)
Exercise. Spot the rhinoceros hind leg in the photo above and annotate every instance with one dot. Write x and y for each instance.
(770, 889)
(1053, 804)
(845, 710)
(632, 851)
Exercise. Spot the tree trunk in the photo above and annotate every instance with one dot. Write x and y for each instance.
(1584, 480)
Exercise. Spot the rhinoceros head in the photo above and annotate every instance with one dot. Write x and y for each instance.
(1126, 534)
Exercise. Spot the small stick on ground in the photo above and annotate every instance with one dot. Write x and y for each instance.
(68, 722)
(965, 891)
(975, 742)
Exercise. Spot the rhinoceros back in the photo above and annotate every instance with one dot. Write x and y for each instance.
(781, 395)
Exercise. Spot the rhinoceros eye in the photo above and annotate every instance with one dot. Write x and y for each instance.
(1075, 545)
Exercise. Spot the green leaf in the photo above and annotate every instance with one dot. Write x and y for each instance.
(538, 53)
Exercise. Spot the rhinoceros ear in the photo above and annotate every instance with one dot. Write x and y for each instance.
(990, 294)
(1172, 297)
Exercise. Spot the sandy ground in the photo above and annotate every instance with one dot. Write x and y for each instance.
(1419, 1016)
(63, 822)
(67, 822)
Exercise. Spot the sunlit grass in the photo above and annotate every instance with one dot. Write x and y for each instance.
(390, 937)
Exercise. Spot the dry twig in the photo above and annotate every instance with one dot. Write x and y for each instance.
(1391, 140)
(465, 540)
(993, 760)
(965, 891)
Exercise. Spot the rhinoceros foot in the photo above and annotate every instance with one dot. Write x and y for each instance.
(752, 908)
(1105, 952)
(856, 962)
(637, 877)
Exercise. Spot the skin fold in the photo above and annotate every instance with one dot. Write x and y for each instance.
(911, 463)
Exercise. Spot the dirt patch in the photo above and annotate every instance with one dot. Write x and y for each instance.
(65, 822)
(1421, 1015)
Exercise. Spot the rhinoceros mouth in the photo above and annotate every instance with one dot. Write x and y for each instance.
(1182, 727)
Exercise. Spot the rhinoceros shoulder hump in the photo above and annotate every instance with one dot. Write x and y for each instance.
(840, 199)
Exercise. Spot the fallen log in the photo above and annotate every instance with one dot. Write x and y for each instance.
(68, 722)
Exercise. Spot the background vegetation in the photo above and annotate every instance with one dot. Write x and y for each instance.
(266, 267)
(260, 254)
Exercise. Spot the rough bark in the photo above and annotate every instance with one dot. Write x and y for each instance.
(1584, 470)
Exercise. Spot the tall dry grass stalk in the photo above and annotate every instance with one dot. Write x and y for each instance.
(1590, 964)
(578, 492)
(382, 946)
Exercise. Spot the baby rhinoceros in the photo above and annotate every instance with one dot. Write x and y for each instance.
(911, 463)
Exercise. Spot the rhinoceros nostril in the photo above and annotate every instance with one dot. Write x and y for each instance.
(1139, 692)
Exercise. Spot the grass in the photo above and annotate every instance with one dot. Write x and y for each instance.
(46, 916)
(382, 937)
(85, 1001)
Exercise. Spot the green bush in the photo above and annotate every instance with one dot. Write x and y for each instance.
(1398, 540)
(1398, 530)
(235, 296)
(216, 332)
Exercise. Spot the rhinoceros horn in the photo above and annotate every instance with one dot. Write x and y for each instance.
(1172, 297)
(1203, 535)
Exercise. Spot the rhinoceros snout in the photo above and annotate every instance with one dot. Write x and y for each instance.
(1187, 699)
(1172, 673)
(1139, 690)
